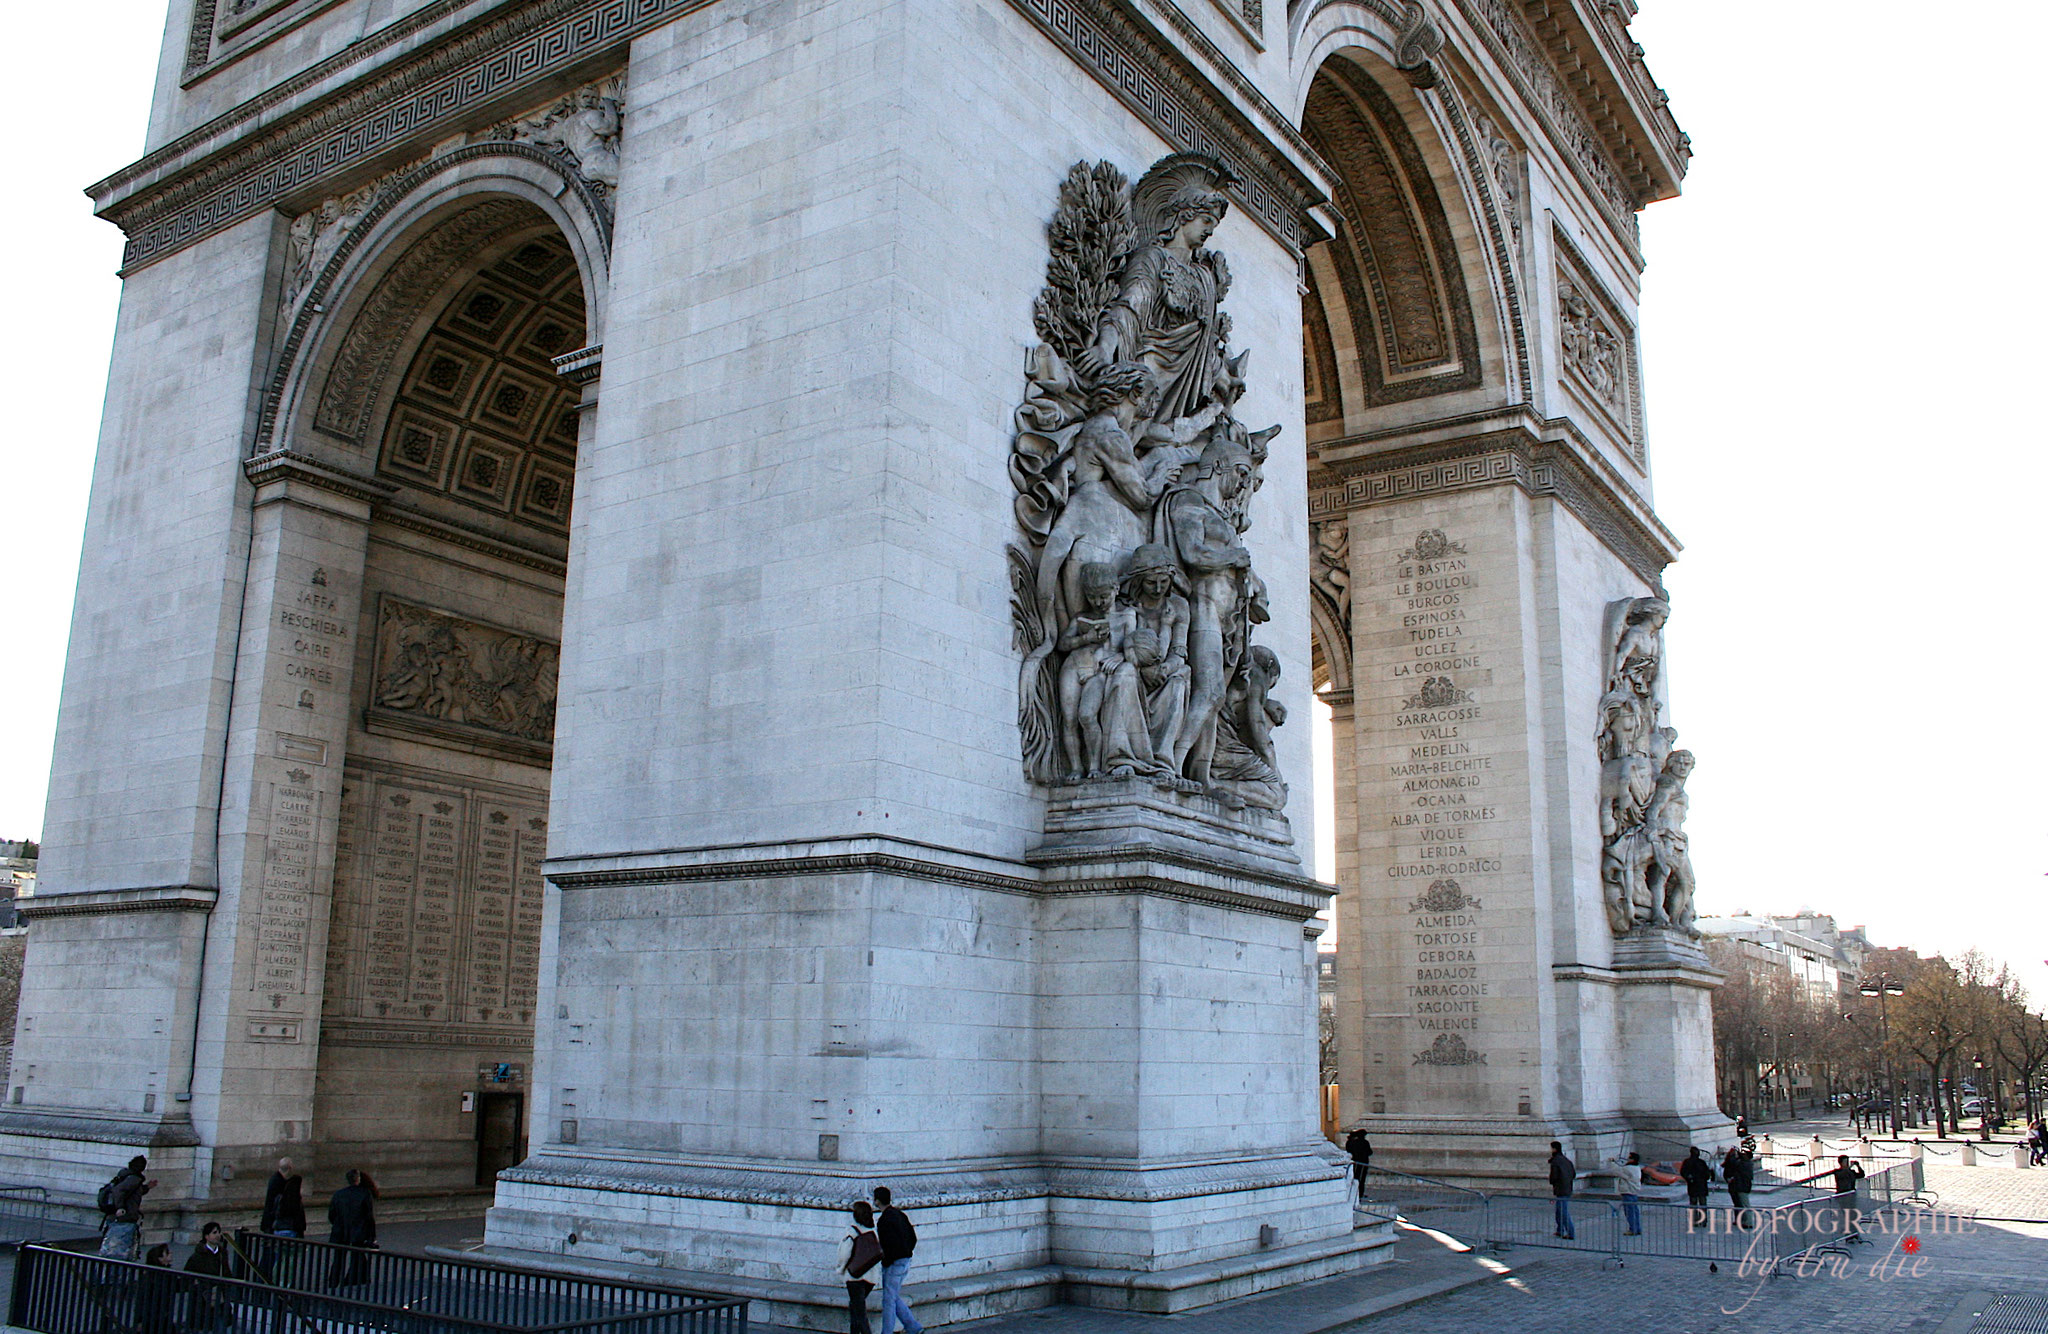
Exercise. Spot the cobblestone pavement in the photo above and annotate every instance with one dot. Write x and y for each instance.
(1883, 1288)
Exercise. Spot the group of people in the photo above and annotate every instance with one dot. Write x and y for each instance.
(2037, 1142)
(351, 1217)
(880, 1236)
(1738, 1174)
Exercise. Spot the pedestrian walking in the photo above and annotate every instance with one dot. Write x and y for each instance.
(1738, 1170)
(352, 1216)
(209, 1259)
(1628, 1176)
(1360, 1150)
(2037, 1142)
(1562, 1176)
(899, 1242)
(1847, 1174)
(284, 1208)
(121, 1210)
(860, 1250)
(1697, 1175)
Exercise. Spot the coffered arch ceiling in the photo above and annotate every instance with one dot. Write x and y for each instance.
(1406, 316)
(481, 420)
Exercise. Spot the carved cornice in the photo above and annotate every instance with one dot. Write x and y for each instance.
(1548, 459)
(1505, 33)
(1605, 67)
(105, 902)
(148, 1133)
(456, 83)
(999, 1180)
(472, 539)
(235, 166)
(1139, 869)
(283, 465)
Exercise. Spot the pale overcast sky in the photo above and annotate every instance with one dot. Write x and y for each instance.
(1841, 333)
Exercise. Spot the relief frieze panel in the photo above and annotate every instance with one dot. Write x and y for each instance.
(454, 679)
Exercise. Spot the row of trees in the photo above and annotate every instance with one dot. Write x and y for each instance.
(1950, 1021)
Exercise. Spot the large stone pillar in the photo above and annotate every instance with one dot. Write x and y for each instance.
(812, 926)
(1497, 1007)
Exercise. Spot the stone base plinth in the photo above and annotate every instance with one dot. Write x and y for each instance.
(988, 1244)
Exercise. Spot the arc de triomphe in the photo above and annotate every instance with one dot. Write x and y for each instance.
(691, 605)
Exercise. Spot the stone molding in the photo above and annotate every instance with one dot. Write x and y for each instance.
(471, 539)
(811, 1189)
(1615, 87)
(105, 902)
(151, 1133)
(1545, 458)
(230, 169)
(279, 466)
(1129, 868)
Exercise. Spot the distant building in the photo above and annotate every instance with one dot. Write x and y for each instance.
(1763, 944)
(17, 881)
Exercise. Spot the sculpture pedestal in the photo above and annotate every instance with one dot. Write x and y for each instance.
(1666, 1005)
(1088, 1077)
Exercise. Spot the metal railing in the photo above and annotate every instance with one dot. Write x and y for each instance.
(27, 1215)
(64, 1292)
(1771, 1234)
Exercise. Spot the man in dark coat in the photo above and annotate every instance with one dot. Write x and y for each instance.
(1563, 1176)
(1697, 1174)
(207, 1308)
(1360, 1150)
(1846, 1175)
(284, 1209)
(352, 1214)
(899, 1240)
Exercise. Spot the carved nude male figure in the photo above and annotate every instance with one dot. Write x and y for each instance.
(1199, 526)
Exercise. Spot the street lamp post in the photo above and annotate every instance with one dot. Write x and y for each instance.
(1883, 987)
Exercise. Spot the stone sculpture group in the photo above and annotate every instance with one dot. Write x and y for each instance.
(1645, 871)
(1133, 595)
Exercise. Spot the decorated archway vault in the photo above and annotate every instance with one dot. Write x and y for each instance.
(753, 611)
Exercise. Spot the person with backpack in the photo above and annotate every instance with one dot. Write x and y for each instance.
(284, 1208)
(120, 1202)
(860, 1250)
(899, 1240)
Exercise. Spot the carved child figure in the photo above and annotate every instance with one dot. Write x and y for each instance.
(1103, 719)
(1156, 643)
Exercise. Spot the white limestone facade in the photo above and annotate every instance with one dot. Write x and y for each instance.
(543, 715)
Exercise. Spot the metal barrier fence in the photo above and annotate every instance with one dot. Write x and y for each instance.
(64, 1292)
(468, 1289)
(1770, 1234)
(26, 1215)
